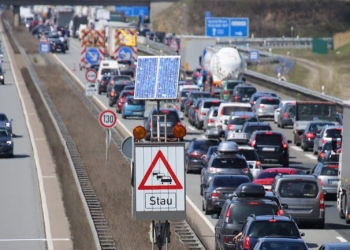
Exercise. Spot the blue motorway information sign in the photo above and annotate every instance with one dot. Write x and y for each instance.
(44, 48)
(133, 11)
(236, 27)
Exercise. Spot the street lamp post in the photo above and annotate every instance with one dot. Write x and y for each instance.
(292, 31)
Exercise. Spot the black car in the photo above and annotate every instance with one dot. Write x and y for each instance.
(113, 96)
(242, 93)
(127, 67)
(218, 189)
(260, 226)
(194, 152)
(6, 143)
(192, 97)
(2, 76)
(307, 138)
(102, 85)
(56, 45)
(248, 199)
(271, 146)
(166, 129)
(118, 78)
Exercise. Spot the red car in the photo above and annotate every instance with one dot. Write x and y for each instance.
(267, 176)
(122, 98)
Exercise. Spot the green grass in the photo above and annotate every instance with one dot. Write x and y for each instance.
(298, 75)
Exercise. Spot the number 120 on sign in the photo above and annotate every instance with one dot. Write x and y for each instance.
(108, 119)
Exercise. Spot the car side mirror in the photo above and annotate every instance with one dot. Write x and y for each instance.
(215, 216)
(284, 206)
(11, 120)
(302, 234)
(289, 141)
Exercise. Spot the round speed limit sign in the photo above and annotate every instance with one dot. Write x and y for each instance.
(108, 119)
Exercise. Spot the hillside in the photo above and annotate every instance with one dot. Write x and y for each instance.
(268, 18)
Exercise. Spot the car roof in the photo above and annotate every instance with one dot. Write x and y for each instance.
(281, 170)
(235, 104)
(270, 132)
(257, 123)
(300, 176)
(246, 147)
(230, 176)
(283, 239)
(338, 244)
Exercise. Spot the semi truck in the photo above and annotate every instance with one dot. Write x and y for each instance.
(343, 190)
(307, 111)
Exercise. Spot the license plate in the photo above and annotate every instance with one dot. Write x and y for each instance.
(268, 149)
(245, 99)
(162, 124)
(238, 136)
(333, 181)
(137, 113)
(267, 187)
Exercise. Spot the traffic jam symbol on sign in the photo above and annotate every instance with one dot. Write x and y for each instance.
(91, 89)
(159, 177)
(108, 119)
(91, 75)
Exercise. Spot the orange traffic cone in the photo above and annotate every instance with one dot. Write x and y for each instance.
(73, 69)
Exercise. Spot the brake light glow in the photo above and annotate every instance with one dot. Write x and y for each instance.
(245, 170)
(322, 201)
(178, 123)
(246, 242)
(270, 99)
(261, 106)
(202, 114)
(228, 213)
(111, 82)
(332, 166)
(285, 115)
(324, 141)
(310, 135)
(253, 203)
(131, 92)
(215, 194)
(195, 154)
(320, 181)
(339, 129)
(236, 98)
(280, 212)
(195, 110)
(211, 121)
(113, 92)
(230, 127)
(252, 144)
(102, 82)
(222, 112)
(165, 111)
(215, 102)
(272, 220)
(226, 239)
(284, 144)
(122, 99)
(321, 154)
(268, 133)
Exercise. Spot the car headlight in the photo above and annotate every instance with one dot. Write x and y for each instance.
(9, 142)
(8, 124)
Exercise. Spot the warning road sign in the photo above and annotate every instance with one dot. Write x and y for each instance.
(159, 182)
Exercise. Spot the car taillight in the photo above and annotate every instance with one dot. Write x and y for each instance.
(226, 92)
(284, 144)
(215, 194)
(245, 170)
(230, 127)
(280, 212)
(322, 201)
(122, 100)
(246, 242)
(252, 144)
(113, 92)
(212, 170)
(180, 99)
(261, 106)
(310, 135)
(252, 103)
(228, 213)
(285, 115)
(211, 121)
(227, 239)
(195, 110)
(131, 65)
(111, 82)
(321, 154)
(222, 112)
(324, 141)
(202, 114)
(320, 181)
(195, 154)
(258, 164)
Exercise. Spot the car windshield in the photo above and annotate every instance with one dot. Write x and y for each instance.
(132, 101)
(230, 181)
(3, 133)
(249, 154)
(242, 120)
(121, 78)
(234, 163)
(3, 117)
(298, 189)
(260, 229)
(268, 139)
(277, 245)
(204, 145)
(331, 170)
(242, 211)
(229, 109)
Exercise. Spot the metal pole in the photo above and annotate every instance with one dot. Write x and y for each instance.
(153, 234)
(91, 103)
(158, 119)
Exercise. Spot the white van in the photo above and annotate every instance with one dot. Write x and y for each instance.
(225, 110)
(107, 67)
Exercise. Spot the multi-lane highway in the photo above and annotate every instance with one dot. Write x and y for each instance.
(336, 229)
(31, 210)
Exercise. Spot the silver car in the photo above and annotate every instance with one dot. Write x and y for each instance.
(278, 110)
(327, 133)
(265, 107)
(327, 173)
(252, 158)
(237, 120)
(210, 119)
(302, 197)
(203, 109)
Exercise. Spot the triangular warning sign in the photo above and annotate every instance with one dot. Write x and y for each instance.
(167, 182)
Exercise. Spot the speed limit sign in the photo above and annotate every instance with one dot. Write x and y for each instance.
(108, 118)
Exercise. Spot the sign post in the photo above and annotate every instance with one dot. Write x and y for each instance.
(108, 119)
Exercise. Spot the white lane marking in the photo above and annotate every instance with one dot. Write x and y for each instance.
(190, 202)
(296, 148)
(312, 157)
(14, 240)
(341, 239)
(191, 128)
(36, 156)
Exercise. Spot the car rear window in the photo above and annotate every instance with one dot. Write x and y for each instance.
(106, 78)
(132, 101)
(171, 116)
(298, 189)
(210, 104)
(109, 71)
(121, 78)
(249, 154)
(270, 101)
(230, 181)
(333, 133)
(195, 96)
(231, 85)
(204, 145)
(3, 117)
(247, 91)
(118, 87)
(184, 93)
(277, 245)
(242, 120)
(268, 139)
(126, 93)
(260, 229)
(229, 109)
(316, 127)
(330, 170)
(241, 211)
(251, 129)
(235, 163)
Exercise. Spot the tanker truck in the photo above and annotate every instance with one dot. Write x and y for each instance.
(222, 63)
